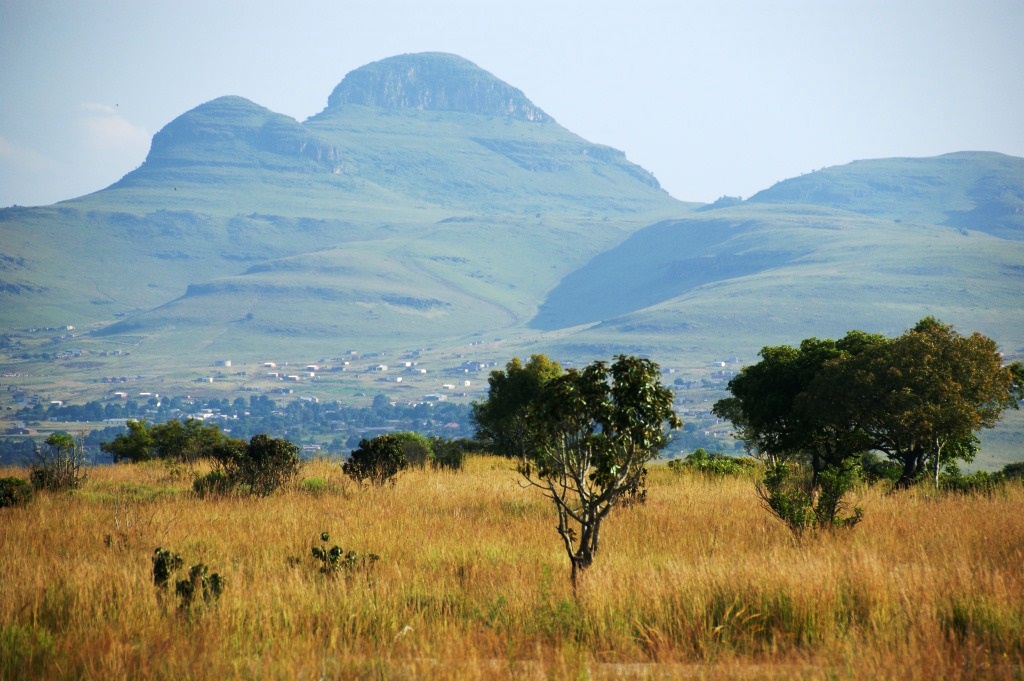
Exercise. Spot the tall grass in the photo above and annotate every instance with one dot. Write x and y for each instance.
(472, 583)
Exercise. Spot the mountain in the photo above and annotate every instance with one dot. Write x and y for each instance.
(428, 200)
(431, 204)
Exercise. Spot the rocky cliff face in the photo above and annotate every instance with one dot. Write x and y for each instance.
(433, 81)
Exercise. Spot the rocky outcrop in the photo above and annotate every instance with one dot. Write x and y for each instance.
(433, 81)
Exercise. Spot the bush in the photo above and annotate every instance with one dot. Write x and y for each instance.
(1013, 471)
(199, 582)
(981, 482)
(450, 454)
(268, 464)
(260, 467)
(876, 469)
(57, 467)
(214, 483)
(335, 560)
(418, 450)
(377, 461)
(713, 464)
(14, 492)
(788, 494)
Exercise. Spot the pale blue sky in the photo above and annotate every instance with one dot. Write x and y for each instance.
(713, 97)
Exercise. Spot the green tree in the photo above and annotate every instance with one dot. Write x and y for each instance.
(790, 412)
(592, 433)
(502, 423)
(136, 445)
(784, 407)
(418, 450)
(924, 395)
(174, 440)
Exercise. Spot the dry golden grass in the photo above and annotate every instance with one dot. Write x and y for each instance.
(698, 583)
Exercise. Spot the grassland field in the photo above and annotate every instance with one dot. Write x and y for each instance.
(472, 583)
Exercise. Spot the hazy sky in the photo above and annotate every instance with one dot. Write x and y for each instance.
(714, 97)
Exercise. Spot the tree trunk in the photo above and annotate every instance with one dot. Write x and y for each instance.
(580, 562)
(913, 463)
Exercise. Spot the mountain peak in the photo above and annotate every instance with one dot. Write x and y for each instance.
(433, 81)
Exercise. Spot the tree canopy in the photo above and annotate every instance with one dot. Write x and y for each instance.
(502, 420)
(918, 398)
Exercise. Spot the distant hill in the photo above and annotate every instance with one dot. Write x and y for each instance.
(871, 244)
(980, 191)
(431, 203)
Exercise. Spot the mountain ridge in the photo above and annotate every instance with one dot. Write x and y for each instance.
(429, 203)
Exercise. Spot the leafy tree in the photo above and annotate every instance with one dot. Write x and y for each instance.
(136, 445)
(918, 398)
(591, 434)
(783, 407)
(502, 421)
(922, 396)
(188, 441)
(378, 460)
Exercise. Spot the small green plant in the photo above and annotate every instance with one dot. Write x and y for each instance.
(165, 563)
(199, 581)
(335, 560)
(14, 492)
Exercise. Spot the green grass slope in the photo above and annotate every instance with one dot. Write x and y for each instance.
(740, 278)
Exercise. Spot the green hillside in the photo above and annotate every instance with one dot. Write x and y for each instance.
(980, 191)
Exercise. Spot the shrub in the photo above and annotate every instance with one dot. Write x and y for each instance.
(418, 450)
(787, 493)
(58, 465)
(712, 464)
(1013, 471)
(199, 581)
(450, 454)
(377, 461)
(214, 483)
(981, 482)
(14, 492)
(336, 560)
(259, 467)
(876, 469)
